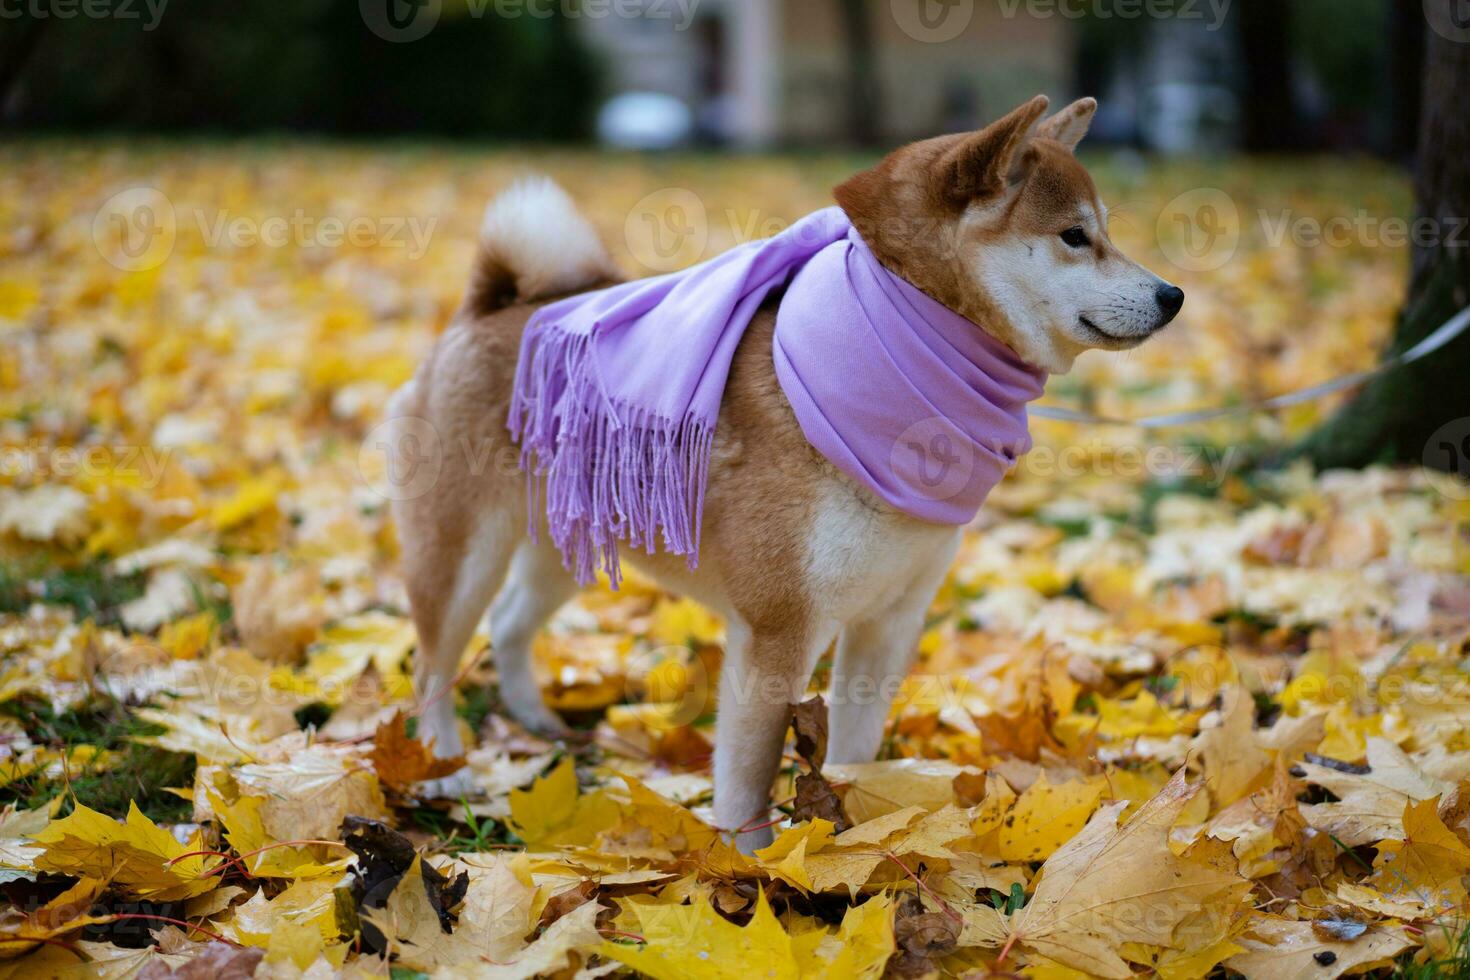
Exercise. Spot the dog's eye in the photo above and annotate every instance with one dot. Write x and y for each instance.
(1076, 237)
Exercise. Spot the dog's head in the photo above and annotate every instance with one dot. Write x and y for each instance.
(1004, 226)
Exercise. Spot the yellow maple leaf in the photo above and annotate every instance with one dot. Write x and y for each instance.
(1284, 949)
(253, 497)
(1046, 816)
(21, 932)
(1233, 761)
(665, 823)
(135, 854)
(786, 856)
(1427, 865)
(866, 938)
(1143, 715)
(1370, 805)
(264, 857)
(680, 621)
(188, 638)
(1112, 885)
(17, 827)
(307, 797)
(554, 812)
(500, 909)
(309, 901)
(872, 789)
(681, 941)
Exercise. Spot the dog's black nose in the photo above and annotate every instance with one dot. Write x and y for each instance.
(1171, 300)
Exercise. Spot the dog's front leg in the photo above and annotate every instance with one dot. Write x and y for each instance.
(874, 655)
(764, 674)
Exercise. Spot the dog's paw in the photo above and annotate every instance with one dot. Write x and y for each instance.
(458, 786)
(540, 720)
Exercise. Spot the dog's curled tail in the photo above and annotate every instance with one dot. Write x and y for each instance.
(534, 244)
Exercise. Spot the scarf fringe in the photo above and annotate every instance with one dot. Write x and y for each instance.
(605, 470)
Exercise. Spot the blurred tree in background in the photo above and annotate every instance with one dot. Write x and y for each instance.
(242, 65)
(1307, 75)
(1421, 411)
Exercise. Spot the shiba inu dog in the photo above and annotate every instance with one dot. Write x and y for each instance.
(1002, 226)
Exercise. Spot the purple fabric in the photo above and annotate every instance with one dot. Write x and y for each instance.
(618, 391)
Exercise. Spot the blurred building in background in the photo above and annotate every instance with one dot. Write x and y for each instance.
(796, 72)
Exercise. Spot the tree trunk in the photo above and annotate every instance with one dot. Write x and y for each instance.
(1406, 31)
(23, 43)
(862, 72)
(1394, 417)
(1270, 122)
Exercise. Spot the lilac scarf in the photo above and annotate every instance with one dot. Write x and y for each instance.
(618, 391)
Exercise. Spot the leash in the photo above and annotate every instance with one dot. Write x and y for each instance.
(1447, 332)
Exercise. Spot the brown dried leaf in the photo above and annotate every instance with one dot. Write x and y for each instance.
(566, 900)
(809, 723)
(815, 798)
(218, 961)
(401, 761)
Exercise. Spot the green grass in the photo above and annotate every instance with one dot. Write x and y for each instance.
(476, 702)
(1455, 967)
(463, 834)
(139, 773)
(89, 590)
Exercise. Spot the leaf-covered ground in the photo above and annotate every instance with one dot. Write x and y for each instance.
(1173, 715)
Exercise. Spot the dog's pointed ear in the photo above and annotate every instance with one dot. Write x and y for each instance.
(985, 163)
(1069, 125)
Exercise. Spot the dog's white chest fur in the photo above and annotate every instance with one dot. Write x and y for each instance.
(861, 555)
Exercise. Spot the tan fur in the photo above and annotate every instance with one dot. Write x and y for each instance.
(793, 552)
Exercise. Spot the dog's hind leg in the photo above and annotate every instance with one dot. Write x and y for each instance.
(450, 581)
(537, 586)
